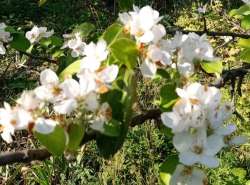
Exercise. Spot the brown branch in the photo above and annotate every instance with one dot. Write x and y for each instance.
(210, 33)
(24, 156)
(232, 74)
(39, 58)
(27, 156)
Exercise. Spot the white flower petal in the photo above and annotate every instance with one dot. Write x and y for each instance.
(189, 158)
(44, 126)
(65, 106)
(148, 68)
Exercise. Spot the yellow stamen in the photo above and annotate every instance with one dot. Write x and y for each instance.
(13, 122)
(103, 89)
(109, 113)
(193, 101)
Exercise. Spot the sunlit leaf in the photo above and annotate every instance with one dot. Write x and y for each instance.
(212, 67)
(42, 2)
(76, 134)
(168, 167)
(84, 29)
(54, 142)
(70, 70)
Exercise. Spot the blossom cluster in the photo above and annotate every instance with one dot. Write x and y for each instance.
(80, 95)
(156, 51)
(199, 133)
(37, 34)
(4, 38)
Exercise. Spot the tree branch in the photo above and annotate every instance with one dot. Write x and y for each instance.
(39, 58)
(27, 156)
(210, 33)
(232, 75)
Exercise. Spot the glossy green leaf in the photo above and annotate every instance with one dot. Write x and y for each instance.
(244, 43)
(70, 70)
(19, 42)
(84, 29)
(56, 41)
(10, 29)
(54, 142)
(168, 167)
(160, 74)
(232, 12)
(126, 5)
(111, 33)
(114, 32)
(112, 128)
(245, 55)
(245, 23)
(45, 41)
(56, 51)
(168, 97)
(122, 101)
(242, 10)
(112, 60)
(166, 130)
(75, 137)
(125, 51)
(212, 67)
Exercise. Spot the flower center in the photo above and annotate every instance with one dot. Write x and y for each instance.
(198, 150)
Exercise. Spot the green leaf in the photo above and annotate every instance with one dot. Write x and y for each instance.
(244, 43)
(166, 130)
(84, 29)
(168, 167)
(122, 101)
(212, 67)
(126, 4)
(239, 172)
(56, 51)
(245, 55)
(112, 60)
(111, 33)
(160, 74)
(232, 12)
(245, 23)
(70, 70)
(56, 41)
(54, 142)
(168, 97)
(19, 42)
(42, 2)
(75, 137)
(45, 41)
(114, 32)
(113, 128)
(242, 10)
(10, 29)
(248, 183)
(125, 51)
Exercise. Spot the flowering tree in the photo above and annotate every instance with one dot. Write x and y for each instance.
(93, 93)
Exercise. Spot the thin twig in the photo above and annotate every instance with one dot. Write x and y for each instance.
(100, 9)
(39, 58)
